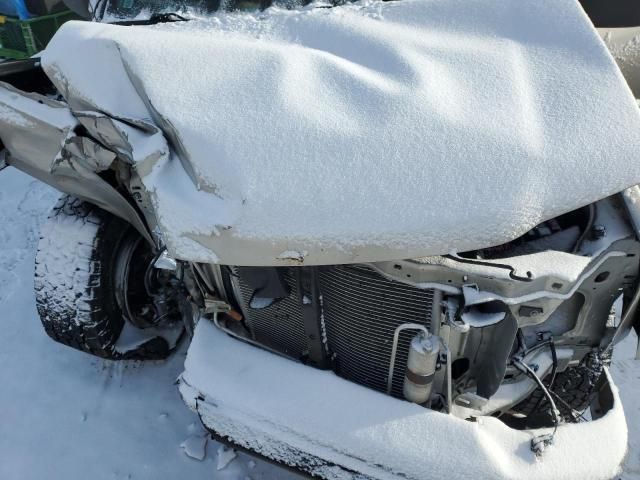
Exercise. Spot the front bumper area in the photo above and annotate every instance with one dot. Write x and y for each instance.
(323, 425)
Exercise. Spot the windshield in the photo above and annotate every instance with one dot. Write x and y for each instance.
(129, 9)
(613, 13)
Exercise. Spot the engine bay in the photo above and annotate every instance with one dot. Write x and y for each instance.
(472, 333)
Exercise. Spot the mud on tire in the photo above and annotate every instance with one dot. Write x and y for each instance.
(74, 278)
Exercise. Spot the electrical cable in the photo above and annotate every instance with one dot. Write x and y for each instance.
(540, 442)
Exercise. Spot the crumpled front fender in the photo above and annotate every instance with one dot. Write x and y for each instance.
(43, 140)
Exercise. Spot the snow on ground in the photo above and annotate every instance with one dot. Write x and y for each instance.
(626, 373)
(66, 415)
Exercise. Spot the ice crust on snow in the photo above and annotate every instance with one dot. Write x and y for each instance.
(195, 446)
(315, 412)
(371, 131)
(226, 455)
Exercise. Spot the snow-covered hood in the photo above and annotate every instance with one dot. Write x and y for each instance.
(367, 132)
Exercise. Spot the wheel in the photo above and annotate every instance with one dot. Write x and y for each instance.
(91, 279)
(572, 391)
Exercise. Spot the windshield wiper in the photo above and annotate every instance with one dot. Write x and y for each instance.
(154, 19)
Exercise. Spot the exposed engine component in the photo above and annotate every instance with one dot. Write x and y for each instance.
(359, 311)
(421, 367)
(443, 331)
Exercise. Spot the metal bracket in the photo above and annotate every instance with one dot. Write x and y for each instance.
(166, 262)
(213, 305)
(309, 293)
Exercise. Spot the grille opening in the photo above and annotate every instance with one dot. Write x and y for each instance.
(360, 311)
(459, 367)
(278, 326)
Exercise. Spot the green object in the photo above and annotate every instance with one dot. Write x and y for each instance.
(25, 38)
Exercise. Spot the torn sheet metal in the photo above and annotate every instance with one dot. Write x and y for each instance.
(40, 136)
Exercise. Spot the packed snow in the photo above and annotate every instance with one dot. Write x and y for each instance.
(346, 132)
(64, 414)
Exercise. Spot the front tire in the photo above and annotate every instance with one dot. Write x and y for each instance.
(573, 390)
(75, 275)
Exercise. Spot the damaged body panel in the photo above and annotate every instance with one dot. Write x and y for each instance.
(423, 216)
(484, 305)
(365, 427)
(42, 133)
(495, 151)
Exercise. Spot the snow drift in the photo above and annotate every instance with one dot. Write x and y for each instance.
(372, 131)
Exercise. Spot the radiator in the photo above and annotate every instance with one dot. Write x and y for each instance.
(360, 310)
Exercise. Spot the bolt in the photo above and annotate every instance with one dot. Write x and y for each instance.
(530, 311)
(598, 231)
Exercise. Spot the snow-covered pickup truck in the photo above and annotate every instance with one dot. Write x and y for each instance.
(403, 238)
